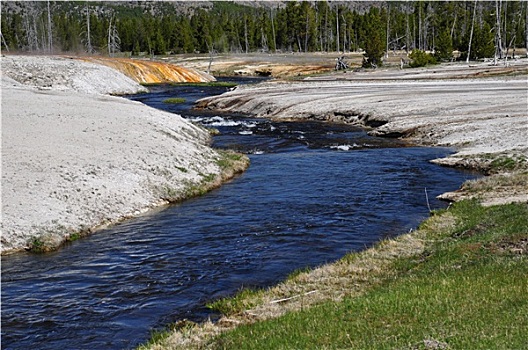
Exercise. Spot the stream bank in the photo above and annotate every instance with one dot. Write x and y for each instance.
(484, 119)
(480, 110)
(75, 160)
(315, 191)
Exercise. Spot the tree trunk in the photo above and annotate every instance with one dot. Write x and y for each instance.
(246, 35)
(453, 26)
(388, 31)
(344, 34)
(299, 44)
(526, 27)
(4, 42)
(89, 47)
(326, 28)
(50, 35)
(211, 56)
(505, 30)
(273, 30)
(498, 36)
(471, 34)
(306, 36)
(264, 40)
(420, 47)
(109, 32)
(337, 28)
(414, 32)
(407, 31)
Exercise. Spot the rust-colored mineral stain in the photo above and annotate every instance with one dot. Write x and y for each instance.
(152, 72)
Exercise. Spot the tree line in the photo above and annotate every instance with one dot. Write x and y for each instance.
(475, 28)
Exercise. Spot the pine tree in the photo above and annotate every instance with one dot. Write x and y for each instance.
(484, 45)
(160, 46)
(444, 46)
(297, 26)
(375, 43)
(136, 49)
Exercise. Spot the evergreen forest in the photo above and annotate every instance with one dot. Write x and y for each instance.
(476, 28)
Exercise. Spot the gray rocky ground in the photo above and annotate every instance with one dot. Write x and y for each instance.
(75, 159)
(485, 115)
(481, 111)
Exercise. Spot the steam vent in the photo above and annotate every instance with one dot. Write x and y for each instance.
(152, 72)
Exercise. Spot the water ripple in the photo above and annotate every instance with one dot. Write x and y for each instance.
(300, 204)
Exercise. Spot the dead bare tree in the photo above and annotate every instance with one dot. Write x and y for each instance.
(307, 28)
(246, 34)
(420, 42)
(263, 40)
(388, 31)
(30, 28)
(345, 34)
(498, 36)
(505, 29)
(453, 26)
(471, 34)
(87, 40)
(273, 30)
(4, 42)
(517, 20)
(327, 41)
(407, 30)
(50, 34)
(337, 27)
(526, 26)
(114, 42)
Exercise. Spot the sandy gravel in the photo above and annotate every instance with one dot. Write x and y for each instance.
(74, 159)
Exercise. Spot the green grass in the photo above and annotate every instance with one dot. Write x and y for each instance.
(174, 100)
(506, 163)
(467, 290)
(243, 300)
(229, 158)
(477, 307)
(37, 245)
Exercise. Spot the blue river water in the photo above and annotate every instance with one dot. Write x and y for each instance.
(313, 192)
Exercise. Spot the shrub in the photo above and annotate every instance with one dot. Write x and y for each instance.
(421, 58)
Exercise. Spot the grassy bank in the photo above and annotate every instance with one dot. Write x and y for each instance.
(458, 282)
(468, 289)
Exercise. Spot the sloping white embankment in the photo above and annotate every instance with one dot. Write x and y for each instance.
(74, 158)
(435, 106)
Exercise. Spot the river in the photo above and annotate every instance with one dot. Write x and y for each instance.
(313, 192)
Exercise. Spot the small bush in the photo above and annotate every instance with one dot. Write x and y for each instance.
(421, 58)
